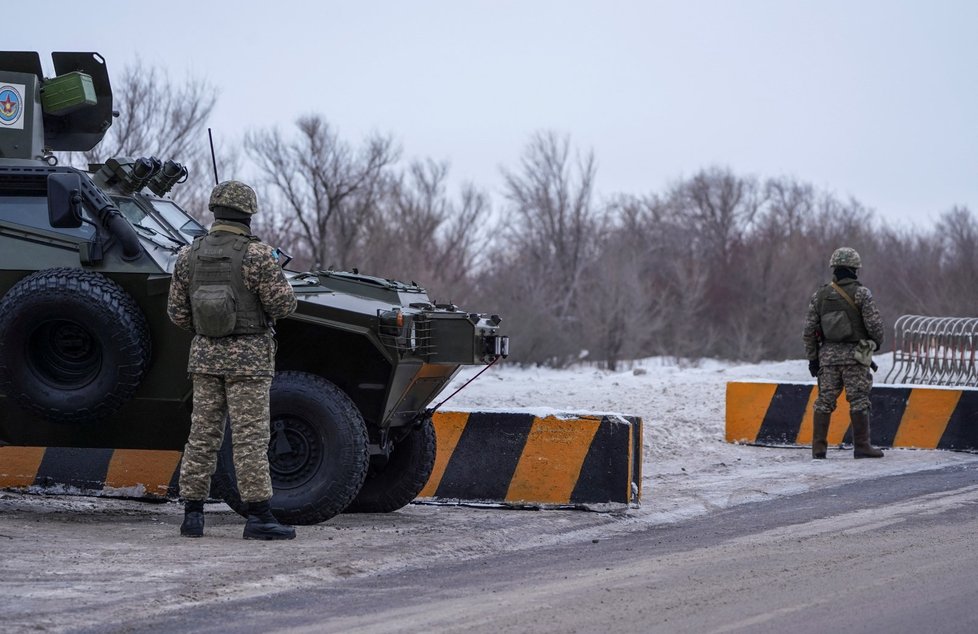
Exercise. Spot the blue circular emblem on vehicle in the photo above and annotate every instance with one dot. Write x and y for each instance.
(10, 104)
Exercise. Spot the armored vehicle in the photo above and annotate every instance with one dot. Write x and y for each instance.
(89, 359)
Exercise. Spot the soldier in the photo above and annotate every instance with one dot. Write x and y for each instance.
(228, 289)
(842, 329)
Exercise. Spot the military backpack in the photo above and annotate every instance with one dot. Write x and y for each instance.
(839, 319)
(220, 301)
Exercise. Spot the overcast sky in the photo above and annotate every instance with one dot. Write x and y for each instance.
(871, 99)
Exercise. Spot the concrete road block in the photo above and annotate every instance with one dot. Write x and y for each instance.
(529, 459)
(902, 416)
(119, 472)
(512, 458)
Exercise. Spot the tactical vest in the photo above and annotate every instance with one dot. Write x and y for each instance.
(839, 321)
(220, 301)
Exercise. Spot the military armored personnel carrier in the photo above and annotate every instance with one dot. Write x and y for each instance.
(88, 357)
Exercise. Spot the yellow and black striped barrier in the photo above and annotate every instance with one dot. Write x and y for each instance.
(524, 459)
(123, 472)
(902, 416)
(503, 457)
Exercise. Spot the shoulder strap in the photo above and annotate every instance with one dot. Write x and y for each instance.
(192, 256)
(240, 242)
(845, 296)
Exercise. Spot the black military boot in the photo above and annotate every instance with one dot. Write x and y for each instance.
(820, 435)
(193, 519)
(263, 525)
(860, 437)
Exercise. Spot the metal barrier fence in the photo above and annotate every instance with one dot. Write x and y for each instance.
(934, 351)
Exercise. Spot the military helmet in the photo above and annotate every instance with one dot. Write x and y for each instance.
(845, 256)
(235, 195)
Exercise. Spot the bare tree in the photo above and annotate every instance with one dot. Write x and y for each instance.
(678, 273)
(778, 273)
(422, 233)
(720, 206)
(329, 187)
(549, 240)
(613, 311)
(162, 118)
(908, 261)
(157, 116)
(957, 233)
(710, 217)
(279, 228)
(720, 265)
(554, 216)
(541, 334)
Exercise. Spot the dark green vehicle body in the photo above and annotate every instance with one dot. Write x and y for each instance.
(383, 343)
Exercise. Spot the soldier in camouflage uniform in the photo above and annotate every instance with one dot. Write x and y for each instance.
(228, 289)
(842, 329)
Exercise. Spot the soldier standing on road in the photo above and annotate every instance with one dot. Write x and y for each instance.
(842, 329)
(228, 289)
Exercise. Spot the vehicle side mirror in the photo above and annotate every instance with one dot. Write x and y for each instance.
(64, 200)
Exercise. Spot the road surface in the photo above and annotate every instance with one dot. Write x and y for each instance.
(893, 554)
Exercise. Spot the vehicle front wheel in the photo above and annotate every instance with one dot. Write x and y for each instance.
(317, 454)
(399, 481)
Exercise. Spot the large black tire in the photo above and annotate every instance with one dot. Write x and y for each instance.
(394, 485)
(317, 455)
(74, 346)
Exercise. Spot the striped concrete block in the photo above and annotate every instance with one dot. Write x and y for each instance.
(902, 416)
(501, 457)
(523, 459)
(119, 472)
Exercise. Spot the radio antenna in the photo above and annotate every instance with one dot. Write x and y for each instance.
(213, 156)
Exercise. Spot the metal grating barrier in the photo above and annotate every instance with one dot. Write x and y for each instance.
(934, 351)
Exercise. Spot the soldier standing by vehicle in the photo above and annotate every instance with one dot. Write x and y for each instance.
(228, 289)
(842, 329)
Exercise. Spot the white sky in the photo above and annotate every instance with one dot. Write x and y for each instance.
(871, 99)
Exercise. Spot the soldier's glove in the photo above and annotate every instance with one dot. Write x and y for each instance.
(813, 366)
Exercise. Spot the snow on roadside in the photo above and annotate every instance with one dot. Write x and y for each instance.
(688, 468)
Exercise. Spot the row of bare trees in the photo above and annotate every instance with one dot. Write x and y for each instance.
(717, 265)
(722, 265)
(347, 207)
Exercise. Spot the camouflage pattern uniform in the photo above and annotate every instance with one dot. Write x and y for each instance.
(838, 366)
(233, 375)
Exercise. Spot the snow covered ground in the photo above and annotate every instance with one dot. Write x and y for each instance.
(688, 468)
(70, 562)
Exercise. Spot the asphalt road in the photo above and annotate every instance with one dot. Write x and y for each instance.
(895, 554)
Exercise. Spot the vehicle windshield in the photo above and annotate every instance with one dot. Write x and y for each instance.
(178, 218)
(138, 217)
(166, 222)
